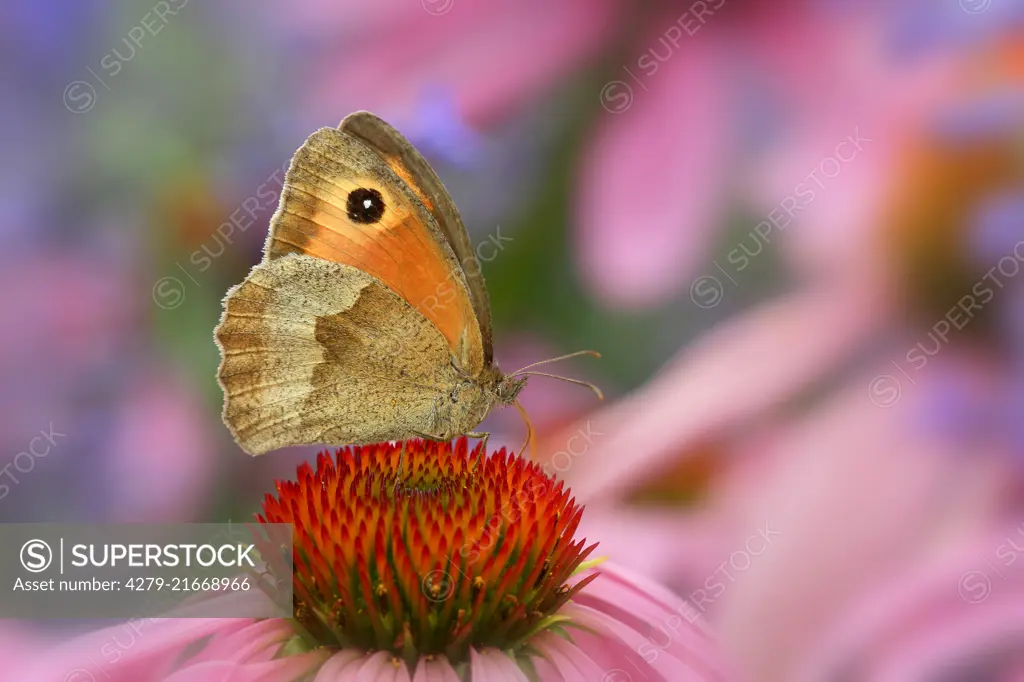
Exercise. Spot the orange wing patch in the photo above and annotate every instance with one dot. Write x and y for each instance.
(344, 204)
(396, 165)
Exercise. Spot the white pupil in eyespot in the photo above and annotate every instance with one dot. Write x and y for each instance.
(367, 203)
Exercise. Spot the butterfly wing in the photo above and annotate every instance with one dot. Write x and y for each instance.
(402, 158)
(341, 202)
(319, 352)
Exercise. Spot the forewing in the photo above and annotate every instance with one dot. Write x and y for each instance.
(402, 158)
(403, 247)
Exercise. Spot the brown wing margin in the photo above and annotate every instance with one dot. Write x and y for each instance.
(410, 165)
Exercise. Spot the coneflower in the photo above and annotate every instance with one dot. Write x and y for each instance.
(426, 562)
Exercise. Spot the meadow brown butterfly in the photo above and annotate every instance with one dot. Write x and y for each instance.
(367, 319)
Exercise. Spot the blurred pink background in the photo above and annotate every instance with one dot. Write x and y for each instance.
(794, 230)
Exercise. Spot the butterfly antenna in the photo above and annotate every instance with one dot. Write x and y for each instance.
(592, 387)
(531, 439)
(593, 353)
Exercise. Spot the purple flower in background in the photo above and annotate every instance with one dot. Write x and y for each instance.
(71, 365)
(172, 478)
(837, 466)
(998, 226)
(437, 129)
(673, 140)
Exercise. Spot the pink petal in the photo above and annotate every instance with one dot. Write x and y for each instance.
(620, 660)
(547, 672)
(826, 545)
(931, 617)
(670, 636)
(572, 663)
(645, 606)
(660, 659)
(618, 587)
(128, 652)
(210, 671)
(436, 670)
(397, 674)
(635, 537)
(737, 371)
(652, 181)
(288, 668)
(475, 51)
(346, 660)
(492, 665)
(257, 642)
(376, 667)
(970, 636)
(19, 645)
(884, 101)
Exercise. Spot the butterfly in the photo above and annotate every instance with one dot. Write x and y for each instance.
(367, 319)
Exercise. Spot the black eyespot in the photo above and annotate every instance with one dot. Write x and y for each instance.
(365, 205)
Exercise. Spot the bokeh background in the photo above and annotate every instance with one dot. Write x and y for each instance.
(794, 230)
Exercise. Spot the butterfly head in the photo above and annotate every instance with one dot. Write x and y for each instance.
(507, 388)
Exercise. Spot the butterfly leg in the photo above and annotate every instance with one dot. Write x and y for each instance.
(483, 436)
(427, 436)
(398, 477)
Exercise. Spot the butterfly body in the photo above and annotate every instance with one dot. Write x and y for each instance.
(367, 319)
